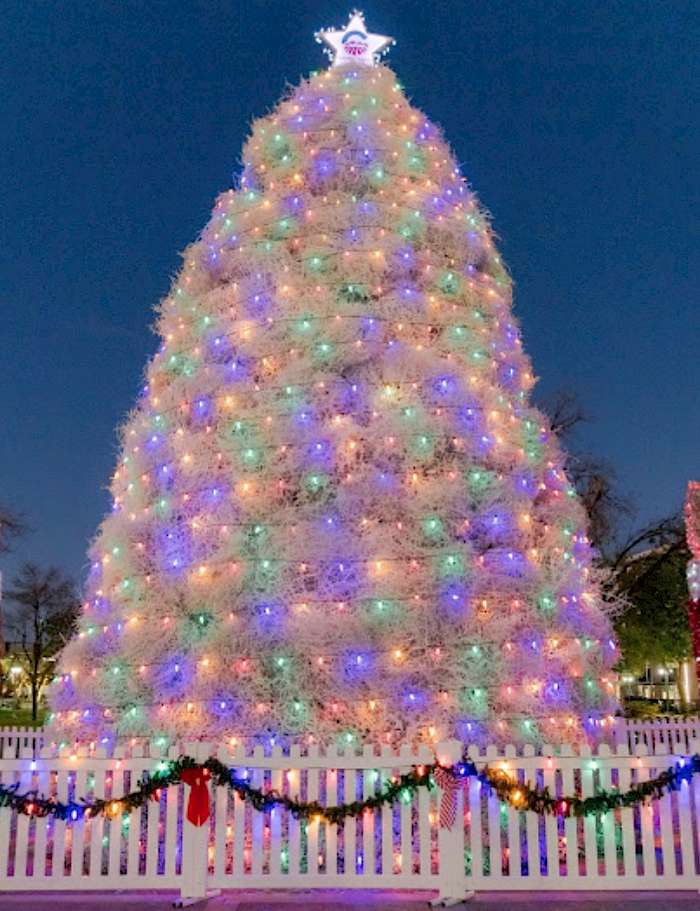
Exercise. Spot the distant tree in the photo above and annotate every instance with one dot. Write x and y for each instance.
(46, 613)
(642, 576)
(649, 573)
(11, 526)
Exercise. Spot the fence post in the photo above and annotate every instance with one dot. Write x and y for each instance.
(195, 845)
(451, 876)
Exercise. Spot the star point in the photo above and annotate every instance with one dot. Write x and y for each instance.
(354, 45)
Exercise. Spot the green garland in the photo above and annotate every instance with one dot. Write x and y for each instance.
(399, 787)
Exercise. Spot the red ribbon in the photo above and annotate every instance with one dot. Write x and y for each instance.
(198, 804)
(449, 784)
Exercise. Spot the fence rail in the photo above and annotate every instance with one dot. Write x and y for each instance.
(494, 848)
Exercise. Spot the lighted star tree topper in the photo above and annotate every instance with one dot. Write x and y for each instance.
(336, 514)
(354, 45)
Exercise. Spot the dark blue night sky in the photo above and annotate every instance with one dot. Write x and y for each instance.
(574, 121)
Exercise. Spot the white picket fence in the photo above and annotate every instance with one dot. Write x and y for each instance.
(667, 732)
(670, 730)
(495, 848)
(14, 740)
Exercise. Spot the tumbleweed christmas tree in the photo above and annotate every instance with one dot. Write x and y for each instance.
(336, 515)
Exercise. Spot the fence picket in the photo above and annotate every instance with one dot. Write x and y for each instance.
(6, 778)
(353, 859)
(685, 826)
(695, 787)
(77, 827)
(294, 824)
(629, 855)
(424, 815)
(97, 825)
(494, 820)
(172, 799)
(534, 861)
(239, 820)
(275, 818)
(138, 768)
(331, 800)
(22, 833)
(475, 827)
(668, 856)
(368, 817)
(153, 826)
(573, 873)
(403, 859)
(589, 823)
(550, 822)
(257, 819)
(115, 822)
(646, 813)
(387, 814)
(39, 869)
(608, 819)
(59, 826)
(313, 825)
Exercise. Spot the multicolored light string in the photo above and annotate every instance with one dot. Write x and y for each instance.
(399, 788)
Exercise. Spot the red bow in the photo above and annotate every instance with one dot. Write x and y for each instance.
(198, 804)
(449, 784)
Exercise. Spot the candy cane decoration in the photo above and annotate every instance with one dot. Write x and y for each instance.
(449, 784)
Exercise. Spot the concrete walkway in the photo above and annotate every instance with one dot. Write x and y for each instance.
(340, 900)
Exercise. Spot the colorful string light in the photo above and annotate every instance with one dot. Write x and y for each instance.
(336, 513)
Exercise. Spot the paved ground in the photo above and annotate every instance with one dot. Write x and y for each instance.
(350, 900)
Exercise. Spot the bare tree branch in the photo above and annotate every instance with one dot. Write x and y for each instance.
(666, 532)
(11, 526)
(565, 412)
(594, 479)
